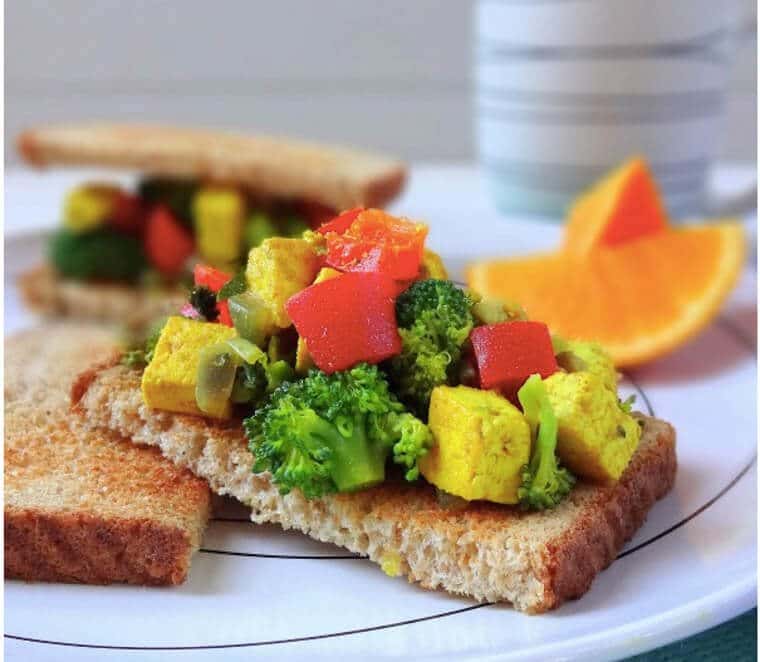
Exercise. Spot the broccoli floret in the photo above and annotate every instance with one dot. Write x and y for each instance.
(544, 482)
(434, 322)
(99, 255)
(334, 433)
(204, 301)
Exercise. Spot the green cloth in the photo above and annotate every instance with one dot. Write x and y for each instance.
(735, 641)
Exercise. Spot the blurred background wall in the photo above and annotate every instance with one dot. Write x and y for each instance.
(393, 75)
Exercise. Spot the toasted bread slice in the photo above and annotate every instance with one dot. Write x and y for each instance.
(337, 177)
(47, 293)
(489, 552)
(83, 506)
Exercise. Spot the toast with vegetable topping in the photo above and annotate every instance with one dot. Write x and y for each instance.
(335, 387)
(204, 194)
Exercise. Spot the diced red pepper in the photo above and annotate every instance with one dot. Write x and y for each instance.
(167, 244)
(347, 320)
(340, 223)
(128, 213)
(378, 242)
(214, 280)
(510, 352)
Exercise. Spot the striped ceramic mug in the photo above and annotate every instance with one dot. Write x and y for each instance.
(567, 89)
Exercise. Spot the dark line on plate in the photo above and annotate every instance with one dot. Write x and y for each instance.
(302, 557)
(641, 392)
(343, 633)
(386, 626)
(697, 512)
(738, 334)
(644, 544)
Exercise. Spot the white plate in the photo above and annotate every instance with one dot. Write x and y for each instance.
(260, 591)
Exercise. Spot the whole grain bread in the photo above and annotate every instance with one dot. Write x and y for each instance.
(489, 552)
(334, 176)
(45, 292)
(84, 506)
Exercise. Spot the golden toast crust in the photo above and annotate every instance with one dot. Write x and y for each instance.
(338, 177)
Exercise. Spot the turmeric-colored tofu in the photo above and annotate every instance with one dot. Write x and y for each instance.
(432, 266)
(304, 361)
(218, 217)
(89, 206)
(596, 361)
(279, 268)
(481, 443)
(170, 378)
(595, 437)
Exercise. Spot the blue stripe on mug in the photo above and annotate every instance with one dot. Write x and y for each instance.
(596, 99)
(707, 47)
(597, 116)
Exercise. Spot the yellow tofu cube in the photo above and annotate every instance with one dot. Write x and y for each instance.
(432, 266)
(482, 441)
(88, 207)
(595, 437)
(169, 380)
(279, 268)
(218, 217)
(596, 361)
(304, 361)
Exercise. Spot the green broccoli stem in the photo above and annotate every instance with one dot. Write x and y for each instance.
(543, 464)
(357, 463)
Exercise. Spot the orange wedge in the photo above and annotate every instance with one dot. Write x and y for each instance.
(640, 299)
(622, 206)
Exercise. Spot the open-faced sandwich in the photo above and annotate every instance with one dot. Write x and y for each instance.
(341, 385)
(122, 255)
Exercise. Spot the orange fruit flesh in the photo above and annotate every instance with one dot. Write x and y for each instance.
(639, 299)
(623, 206)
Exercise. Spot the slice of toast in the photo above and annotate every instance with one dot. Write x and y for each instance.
(338, 177)
(489, 552)
(47, 293)
(82, 506)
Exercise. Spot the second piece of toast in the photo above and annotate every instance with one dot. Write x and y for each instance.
(83, 506)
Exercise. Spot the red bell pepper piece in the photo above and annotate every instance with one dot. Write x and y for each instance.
(214, 280)
(510, 352)
(378, 242)
(128, 213)
(167, 243)
(347, 320)
(340, 223)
